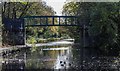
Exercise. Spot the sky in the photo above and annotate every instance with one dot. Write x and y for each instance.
(56, 4)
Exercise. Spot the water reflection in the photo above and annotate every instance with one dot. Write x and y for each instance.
(63, 59)
(41, 58)
(58, 57)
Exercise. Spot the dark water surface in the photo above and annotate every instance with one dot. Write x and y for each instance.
(71, 57)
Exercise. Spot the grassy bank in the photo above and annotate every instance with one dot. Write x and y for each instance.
(41, 40)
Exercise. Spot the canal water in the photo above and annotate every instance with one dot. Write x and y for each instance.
(65, 57)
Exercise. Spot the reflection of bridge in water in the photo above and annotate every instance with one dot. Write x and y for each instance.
(44, 59)
(64, 58)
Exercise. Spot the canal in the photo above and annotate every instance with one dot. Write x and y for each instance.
(68, 57)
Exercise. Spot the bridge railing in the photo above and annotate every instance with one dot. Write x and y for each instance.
(51, 21)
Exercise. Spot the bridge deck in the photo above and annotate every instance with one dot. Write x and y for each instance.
(33, 21)
(51, 25)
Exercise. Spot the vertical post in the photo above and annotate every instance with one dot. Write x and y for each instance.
(84, 36)
(65, 21)
(71, 21)
(53, 20)
(83, 45)
(24, 31)
(75, 21)
(40, 20)
(59, 20)
(46, 20)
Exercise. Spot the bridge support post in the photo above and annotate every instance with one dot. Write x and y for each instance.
(82, 46)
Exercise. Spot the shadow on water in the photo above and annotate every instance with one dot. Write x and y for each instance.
(58, 57)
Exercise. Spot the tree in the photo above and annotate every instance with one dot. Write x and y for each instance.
(17, 10)
(102, 23)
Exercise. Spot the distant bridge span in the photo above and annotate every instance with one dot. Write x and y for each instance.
(34, 21)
